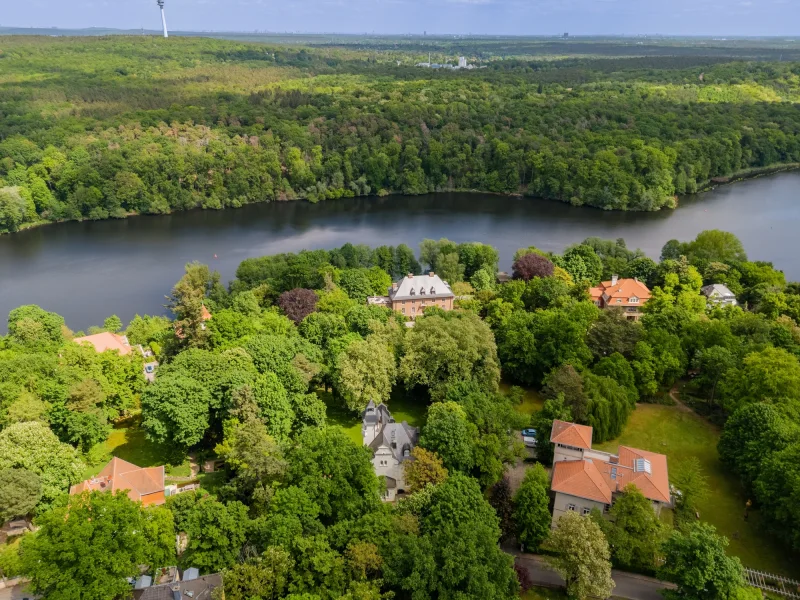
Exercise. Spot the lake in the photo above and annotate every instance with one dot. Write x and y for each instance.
(90, 270)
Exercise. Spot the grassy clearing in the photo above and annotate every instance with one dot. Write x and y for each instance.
(681, 434)
(402, 406)
(532, 400)
(128, 442)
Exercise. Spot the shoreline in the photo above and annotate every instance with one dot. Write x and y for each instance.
(706, 186)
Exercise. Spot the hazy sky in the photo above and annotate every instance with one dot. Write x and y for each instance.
(692, 17)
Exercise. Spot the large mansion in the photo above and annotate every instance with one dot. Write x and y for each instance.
(414, 293)
(627, 294)
(584, 479)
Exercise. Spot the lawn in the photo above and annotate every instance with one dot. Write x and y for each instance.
(128, 442)
(532, 401)
(680, 434)
(403, 408)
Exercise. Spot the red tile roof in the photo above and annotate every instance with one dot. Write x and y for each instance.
(622, 290)
(122, 475)
(571, 434)
(580, 478)
(655, 484)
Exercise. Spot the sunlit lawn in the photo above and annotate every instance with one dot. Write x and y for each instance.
(532, 401)
(129, 443)
(402, 407)
(681, 434)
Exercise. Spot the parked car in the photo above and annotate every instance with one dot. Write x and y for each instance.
(529, 437)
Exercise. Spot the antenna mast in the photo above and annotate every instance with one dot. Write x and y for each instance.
(163, 18)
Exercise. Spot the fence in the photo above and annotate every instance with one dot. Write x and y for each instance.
(776, 584)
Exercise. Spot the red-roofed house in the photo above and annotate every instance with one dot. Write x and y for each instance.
(584, 479)
(627, 294)
(106, 341)
(143, 484)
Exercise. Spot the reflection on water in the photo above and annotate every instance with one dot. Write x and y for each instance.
(87, 271)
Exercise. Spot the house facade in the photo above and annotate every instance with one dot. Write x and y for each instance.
(719, 294)
(628, 294)
(391, 444)
(145, 485)
(584, 479)
(414, 293)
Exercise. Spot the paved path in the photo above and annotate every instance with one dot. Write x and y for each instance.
(628, 585)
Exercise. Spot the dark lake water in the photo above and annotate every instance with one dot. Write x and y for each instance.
(87, 271)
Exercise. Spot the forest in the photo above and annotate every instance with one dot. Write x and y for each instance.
(272, 382)
(105, 127)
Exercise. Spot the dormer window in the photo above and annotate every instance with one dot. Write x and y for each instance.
(433, 290)
(633, 300)
(412, 292)
(422, 291)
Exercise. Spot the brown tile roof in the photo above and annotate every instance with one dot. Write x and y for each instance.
(596, 293)
(122, 475)
(580, 478)
(106, 341)
(571, 434)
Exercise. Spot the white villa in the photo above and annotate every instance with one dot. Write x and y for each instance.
(391, 444)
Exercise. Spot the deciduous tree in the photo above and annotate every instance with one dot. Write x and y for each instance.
(581, 556)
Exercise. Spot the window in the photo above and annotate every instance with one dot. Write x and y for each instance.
(412, 292)
(404, 310)
(421, 291)
(433, 290)
(619, 300)
(633, 300)
(571, 507)
(642, 465)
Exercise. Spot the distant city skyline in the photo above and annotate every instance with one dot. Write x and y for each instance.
(491, 17)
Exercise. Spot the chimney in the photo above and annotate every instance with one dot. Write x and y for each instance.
(411, 276)
(394, 286)
(431, 274)
(614, 279)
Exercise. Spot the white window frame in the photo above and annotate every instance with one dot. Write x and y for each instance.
(571, 507)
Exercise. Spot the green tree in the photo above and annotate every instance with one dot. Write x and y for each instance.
(456, 553)
(20, 491)
(772, 375)
(695, 560)
(531, 508)
(365, 371)
(441, 351)
(336, 474)
(215, 531)
(778, 493)
(750, 437)
(175, 411)
(187, 303)
(450, 435)
(112, 323)
(714, 245)
(86, 549)
(425, 469)
(263, 578)
(634, 531)
(580, 554)
(34, 447)
(35, 328)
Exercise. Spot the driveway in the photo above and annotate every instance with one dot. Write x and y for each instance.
(628, 585)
